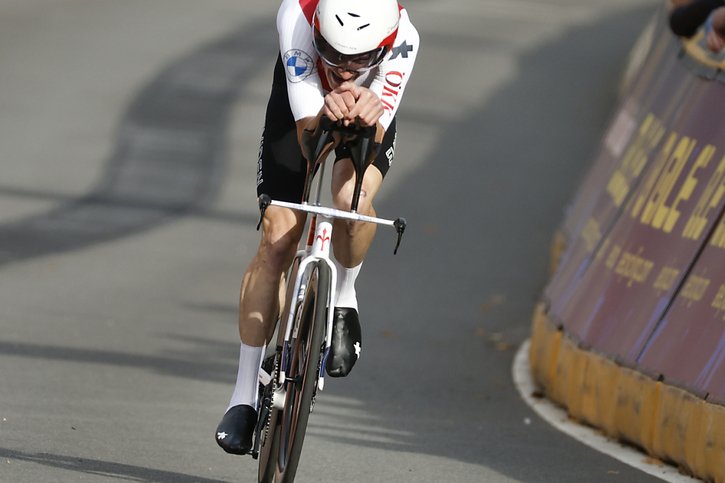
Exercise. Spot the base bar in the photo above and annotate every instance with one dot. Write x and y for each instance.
(332, 212)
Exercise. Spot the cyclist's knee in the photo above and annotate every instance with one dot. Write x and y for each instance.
(343, 187)
(281, 231)
(342, 199)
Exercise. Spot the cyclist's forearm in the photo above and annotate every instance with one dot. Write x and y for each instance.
(306, 130)
(308, 124)
(308, 133)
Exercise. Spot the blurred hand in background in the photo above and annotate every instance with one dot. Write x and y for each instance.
(715, 30)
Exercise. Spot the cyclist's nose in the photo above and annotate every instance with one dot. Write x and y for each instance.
(345, 74)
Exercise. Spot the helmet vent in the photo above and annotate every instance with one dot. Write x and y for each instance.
(353, 14)
(340, 21)
(363, 26)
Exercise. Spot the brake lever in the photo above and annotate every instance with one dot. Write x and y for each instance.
(399, 225)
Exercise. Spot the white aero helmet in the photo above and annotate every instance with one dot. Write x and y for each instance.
(355, 34)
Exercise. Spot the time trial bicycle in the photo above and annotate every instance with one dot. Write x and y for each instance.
(292, 375)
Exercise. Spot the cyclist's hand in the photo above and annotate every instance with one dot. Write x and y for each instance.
(368, 107)
(715, 42)
(349, 102)
(715, 30)
(339, 102)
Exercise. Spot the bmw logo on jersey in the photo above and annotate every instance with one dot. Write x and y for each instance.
(299, 65)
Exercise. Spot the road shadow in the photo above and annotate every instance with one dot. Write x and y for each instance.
(100, 468)
(168, 160)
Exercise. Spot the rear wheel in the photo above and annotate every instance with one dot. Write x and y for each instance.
(268, 452)
(304, 366)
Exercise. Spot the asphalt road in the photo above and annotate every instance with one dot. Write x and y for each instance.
(128, 141)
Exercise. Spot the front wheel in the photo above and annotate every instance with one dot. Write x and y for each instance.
(304, 366)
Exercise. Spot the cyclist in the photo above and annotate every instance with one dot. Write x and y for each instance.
(348, 60)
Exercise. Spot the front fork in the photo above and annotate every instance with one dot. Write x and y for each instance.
(317, 251)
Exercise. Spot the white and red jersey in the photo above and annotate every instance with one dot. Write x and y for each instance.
(306, 89)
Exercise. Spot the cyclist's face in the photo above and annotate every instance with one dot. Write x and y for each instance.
(336, 75)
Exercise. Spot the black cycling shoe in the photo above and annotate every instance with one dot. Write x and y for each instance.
(235, 431)
(346, 342)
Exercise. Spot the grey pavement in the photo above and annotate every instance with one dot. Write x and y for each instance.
(128, 141)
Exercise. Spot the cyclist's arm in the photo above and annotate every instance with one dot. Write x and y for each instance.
(395, 71)
(306, 128)
(347, 103)
(307, 133)
(304, 86)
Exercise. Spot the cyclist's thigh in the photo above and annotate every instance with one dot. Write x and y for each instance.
(280, 167)
(343, 178)
(384, 159)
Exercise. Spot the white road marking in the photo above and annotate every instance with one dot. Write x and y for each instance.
(558, 418)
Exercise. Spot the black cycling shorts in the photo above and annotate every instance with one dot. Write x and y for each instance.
(281, 167)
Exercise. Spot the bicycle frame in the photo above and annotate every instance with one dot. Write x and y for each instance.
(315, 255)
(316, 252)
(317, 247)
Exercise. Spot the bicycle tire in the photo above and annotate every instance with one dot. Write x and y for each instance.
(269, 448)
(305, 355)
(268, 452)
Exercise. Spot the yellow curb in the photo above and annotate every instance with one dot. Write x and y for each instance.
(599, 402)
(544, 347)
(667, 422)
(714, 444)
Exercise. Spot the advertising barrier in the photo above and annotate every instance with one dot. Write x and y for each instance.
(630, 334)
(694, 328)
(621, 160)
(638, 266)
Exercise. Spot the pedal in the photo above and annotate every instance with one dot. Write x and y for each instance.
(264, 377)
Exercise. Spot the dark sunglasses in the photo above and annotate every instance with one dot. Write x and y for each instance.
(353, 62)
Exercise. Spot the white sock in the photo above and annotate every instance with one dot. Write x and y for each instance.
(247, 389)
(346, 296)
